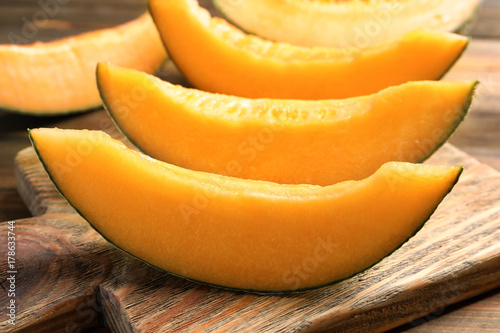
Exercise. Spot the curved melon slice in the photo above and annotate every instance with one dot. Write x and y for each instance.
(235, 233)
(59, 77)
(352, 24)
(284, 141)
(216, 57)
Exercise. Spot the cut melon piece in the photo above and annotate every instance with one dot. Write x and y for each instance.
(346, 24)
(235, 233)
(59, 77)
(217, 57)
(284, 141)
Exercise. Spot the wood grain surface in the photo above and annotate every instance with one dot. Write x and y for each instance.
(101, 287)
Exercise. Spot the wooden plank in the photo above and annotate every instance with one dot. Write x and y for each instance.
(488, 23)
(12, 206)
(50, 285)
(455, 256)
(28, 21)
(481, 313)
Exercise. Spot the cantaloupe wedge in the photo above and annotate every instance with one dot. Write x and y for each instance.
(59, 77)
(349, 23)
(284, 141)
(235, 233)
(217, 57)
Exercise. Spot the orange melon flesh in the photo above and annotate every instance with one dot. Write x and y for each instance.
(235, 233)
(59, 77)
(284, 141)
(217, 57)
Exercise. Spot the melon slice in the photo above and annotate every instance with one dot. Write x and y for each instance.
(217, 57)
(351, 24)
(59, 77)
(235, 233)
(284, 141)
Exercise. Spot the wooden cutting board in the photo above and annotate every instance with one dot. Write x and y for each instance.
(68, 277)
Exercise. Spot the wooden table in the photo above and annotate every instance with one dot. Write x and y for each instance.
(479, 135)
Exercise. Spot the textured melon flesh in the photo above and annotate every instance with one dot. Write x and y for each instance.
(59, 77)
(237, 233)
(343, 24)
(285, 141)
(217, 57)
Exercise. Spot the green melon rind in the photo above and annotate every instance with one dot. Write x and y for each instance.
(261, 292)
(464, 28)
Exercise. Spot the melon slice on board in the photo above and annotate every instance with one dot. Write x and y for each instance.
(235, 233)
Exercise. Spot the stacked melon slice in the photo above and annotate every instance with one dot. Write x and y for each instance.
(247, 182)
(217, 57)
